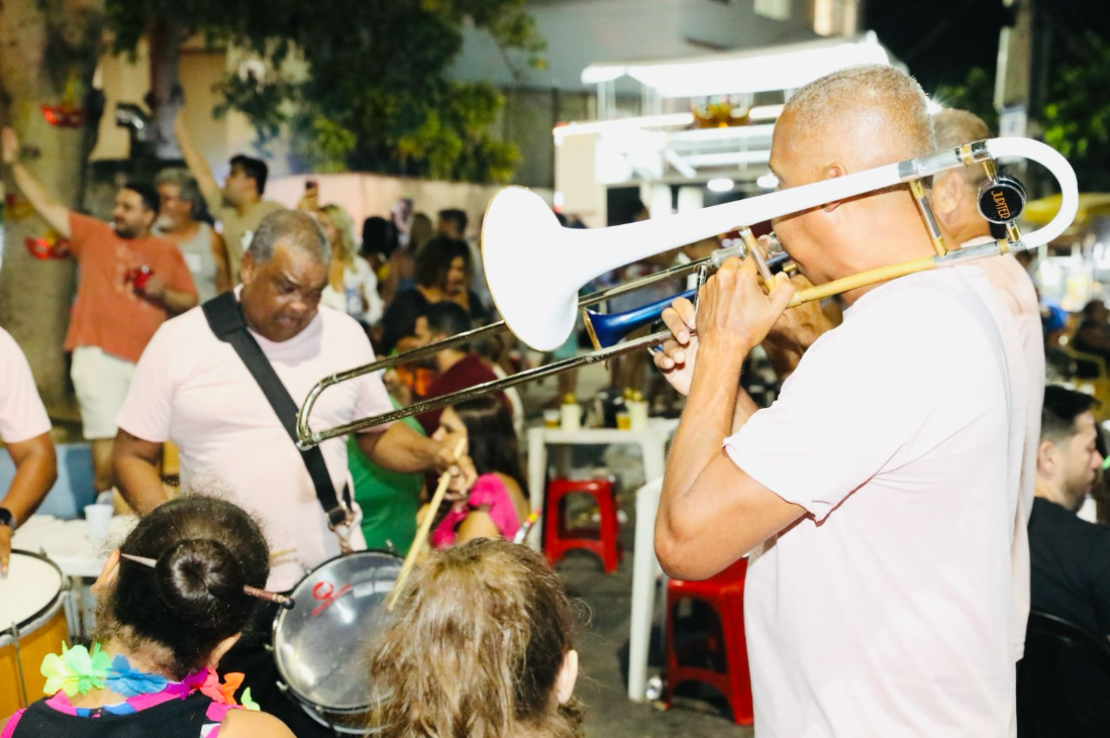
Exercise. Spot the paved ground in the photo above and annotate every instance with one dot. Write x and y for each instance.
(603, 649)
(605, 600)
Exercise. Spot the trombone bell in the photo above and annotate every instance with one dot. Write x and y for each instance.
(534, 286)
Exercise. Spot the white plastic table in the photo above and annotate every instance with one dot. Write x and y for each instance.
(652, 441)
(64, 542)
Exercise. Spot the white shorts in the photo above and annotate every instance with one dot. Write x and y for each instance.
(101, 382)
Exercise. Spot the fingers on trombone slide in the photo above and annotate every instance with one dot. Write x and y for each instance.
(680, 320)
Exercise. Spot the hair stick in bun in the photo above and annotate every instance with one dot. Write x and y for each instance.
(262, 594)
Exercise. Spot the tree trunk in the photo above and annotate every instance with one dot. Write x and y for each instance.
(48, 53)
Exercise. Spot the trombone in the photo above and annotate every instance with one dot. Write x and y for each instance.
(542, 313)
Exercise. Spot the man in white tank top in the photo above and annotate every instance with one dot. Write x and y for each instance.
(882, 484)
(179, 212)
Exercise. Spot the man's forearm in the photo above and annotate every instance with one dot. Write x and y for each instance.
(195, 162)
(178, 302)
(401, 449)
(33, 479)
(53, 212)
(139, 483)
(745, 409)
(711, 408)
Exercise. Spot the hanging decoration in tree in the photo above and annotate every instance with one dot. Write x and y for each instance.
(50, 246)
(16, 207)
(69, 113)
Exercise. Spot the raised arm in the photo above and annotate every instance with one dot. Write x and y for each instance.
(193, 159)
(52, 211)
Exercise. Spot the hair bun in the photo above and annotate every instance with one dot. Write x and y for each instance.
(201, 581)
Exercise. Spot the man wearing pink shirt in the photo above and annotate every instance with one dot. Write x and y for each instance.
(192, 388)
(956, 204)
(25, 431)
(877, 495)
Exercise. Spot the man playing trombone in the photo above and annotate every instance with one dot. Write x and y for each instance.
(881, 487)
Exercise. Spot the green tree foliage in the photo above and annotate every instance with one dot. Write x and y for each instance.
(1075, 118)
(974, 94)
(361, 84)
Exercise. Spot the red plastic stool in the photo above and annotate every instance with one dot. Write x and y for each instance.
(603, 541)
(724, 593)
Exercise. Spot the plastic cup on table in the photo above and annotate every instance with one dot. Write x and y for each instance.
(98, 517)
(552, 418)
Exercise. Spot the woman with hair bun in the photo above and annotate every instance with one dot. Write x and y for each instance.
(173, 599)
(479, 644)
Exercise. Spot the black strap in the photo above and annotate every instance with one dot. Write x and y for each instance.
(226, 320)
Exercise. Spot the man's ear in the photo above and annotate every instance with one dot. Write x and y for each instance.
(246, 268)
(1046, 458)
(949, 191)
(832, 171)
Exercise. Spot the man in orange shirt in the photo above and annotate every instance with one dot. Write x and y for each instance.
(130, 283)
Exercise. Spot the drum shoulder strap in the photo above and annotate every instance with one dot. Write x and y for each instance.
(225, 318)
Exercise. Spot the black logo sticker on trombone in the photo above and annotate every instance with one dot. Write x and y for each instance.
(1002, 201)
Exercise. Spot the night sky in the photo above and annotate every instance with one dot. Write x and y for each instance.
(939, 40)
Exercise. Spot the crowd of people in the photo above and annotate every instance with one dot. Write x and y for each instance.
(934, 510)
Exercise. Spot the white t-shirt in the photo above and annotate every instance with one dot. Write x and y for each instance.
(22, 415)
(358, 280)
(193, 389)
(1016, 289)
(887, 610)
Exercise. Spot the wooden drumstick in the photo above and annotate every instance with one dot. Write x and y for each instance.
(422, 533)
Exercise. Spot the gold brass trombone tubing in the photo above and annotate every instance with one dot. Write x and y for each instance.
(306, 437)
(846, 284)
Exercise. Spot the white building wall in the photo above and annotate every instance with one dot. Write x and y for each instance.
(583, 32)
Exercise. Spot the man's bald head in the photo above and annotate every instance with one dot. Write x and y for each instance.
(844, 123)
(956, 193)
(954, 128)
(867, 116)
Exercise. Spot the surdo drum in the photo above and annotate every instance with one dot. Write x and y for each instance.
(320, 643)
(32, 626)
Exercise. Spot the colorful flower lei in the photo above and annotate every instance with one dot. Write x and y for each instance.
(79, 671)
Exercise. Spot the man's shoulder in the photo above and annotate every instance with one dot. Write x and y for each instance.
(184, 333)
(163, 247)
(7, 341)
(1061, 534)
(938, 304)
(85, 227)
(264, 207)
(342, 328)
